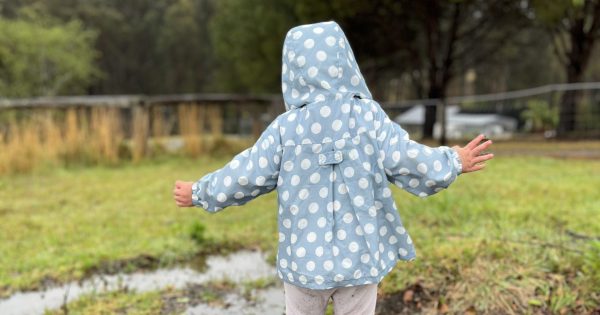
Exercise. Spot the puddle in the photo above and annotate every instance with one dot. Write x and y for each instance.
(238, 267)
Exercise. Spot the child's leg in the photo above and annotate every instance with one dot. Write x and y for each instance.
(357, 300)
(301, 301)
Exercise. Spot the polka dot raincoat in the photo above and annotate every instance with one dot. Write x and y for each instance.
(331, 156)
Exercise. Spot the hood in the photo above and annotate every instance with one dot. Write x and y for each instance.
(318, 65)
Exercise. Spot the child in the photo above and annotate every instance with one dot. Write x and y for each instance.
(330, 156)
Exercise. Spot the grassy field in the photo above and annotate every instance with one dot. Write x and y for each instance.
(510, 239)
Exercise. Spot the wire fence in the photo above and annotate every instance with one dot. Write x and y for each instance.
(110, 127)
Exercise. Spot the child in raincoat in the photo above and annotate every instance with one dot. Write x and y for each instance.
(331, 156)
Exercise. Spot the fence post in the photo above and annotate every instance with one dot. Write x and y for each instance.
(216, 121)
(140, 130)
(257, 126)
(442, 110)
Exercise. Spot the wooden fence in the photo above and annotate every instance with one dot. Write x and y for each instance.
(141, 117)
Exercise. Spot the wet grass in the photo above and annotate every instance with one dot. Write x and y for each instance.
(510, 239)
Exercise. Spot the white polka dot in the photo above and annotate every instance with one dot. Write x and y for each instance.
(313, 207)
(299, 131)
(221, 197)
(295, 93)
(363, 183)
(310, 265)
(288, 166)
(301, 252)
(386, 192)
(404, 171)
(319, 251)
(325, 111)
(336, 125)
(313, 71)
(422, 168)
(234, 164)
(337, 205)
(347, 263)
(303, 194)
(354, 80)
(323, 192)
(369, 149)
(338, 278)
(348, 217)
(311, 237)
(341, 235)
(383, 231)
(301, 61)
(309, 43)
(238, 195)
(325, 85)
(389, 217)
(357, 274)
(359, 231)
(295, 180)
(393, 240)
(330, 40)
(437, 165)
(374, 272)
(353, 154)
(328, 265)
(293, 238)
(302, 279)
(321, 55)
(345, 108)
(333, 71)
(227, 181)
(328, 236)
(318, 30)
(260, 180)
(314, 178)
(396, 156)
(359, 201)
(430, 183)
(369, 228)
(321, 222)
(413, 183)
(262, 162)
(283, 263)
(353, 247)
(305, 164)
(402, 252)
(342, 189)
(364, 258)
(287, 223)
(319, 280)
(412, 153)
(349, 172)
(400, 230)
(294, 209)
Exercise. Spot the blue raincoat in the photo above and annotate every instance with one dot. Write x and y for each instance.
(331, 156)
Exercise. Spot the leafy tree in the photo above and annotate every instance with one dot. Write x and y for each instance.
(40, 56)
(574, 26)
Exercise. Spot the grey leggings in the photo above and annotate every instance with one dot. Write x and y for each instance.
(357, 300)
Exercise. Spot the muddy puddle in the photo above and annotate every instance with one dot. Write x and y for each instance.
(239, 267)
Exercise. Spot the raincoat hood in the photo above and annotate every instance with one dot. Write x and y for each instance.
(318, 65)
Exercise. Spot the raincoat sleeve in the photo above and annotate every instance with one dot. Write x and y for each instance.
(414, 167)
(249, 174)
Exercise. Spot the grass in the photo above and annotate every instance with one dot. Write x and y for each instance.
(497, 240)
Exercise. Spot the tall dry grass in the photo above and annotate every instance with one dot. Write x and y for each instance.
(99, 135)
(191, 128)
(60, 137)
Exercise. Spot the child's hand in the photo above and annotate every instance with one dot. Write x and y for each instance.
(182, 193)
(471, 155)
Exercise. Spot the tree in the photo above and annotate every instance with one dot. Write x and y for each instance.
(40, 56)
(574, 26)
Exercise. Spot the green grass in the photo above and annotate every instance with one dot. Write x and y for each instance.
(495, 239)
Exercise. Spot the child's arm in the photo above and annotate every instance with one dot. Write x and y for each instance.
(248, 175)
(422, 170)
